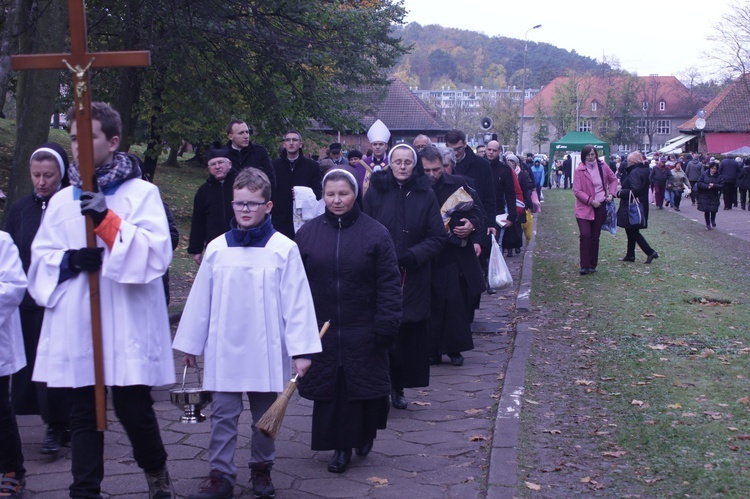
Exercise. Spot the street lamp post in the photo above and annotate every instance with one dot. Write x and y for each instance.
(523, 86)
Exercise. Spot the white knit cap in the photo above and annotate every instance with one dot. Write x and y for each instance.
(378, 132)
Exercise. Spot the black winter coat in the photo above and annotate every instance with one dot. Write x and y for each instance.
(708, 198)
(411, 214)
(453, 253)
(254, 155)
(355, 282)
(306, 172)
(729, 170)
(505, 190)
(212, 212)
(743, 181)
(635, 179)
(478, 168)
(659, 175)
(22, 224)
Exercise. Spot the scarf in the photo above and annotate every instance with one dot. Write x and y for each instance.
(122, 167)
(254, 237)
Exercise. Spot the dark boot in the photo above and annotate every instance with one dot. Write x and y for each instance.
(260, 476)
(216, 486)
(398, 400)
(340, 460)
(160, 485)
(364, 449)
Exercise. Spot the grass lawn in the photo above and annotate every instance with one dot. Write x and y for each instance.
(667, 344)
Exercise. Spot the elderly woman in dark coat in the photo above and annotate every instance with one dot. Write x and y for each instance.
(401, 198)
(49, 173)
(709, 191)
(353, 273)
(635, 180)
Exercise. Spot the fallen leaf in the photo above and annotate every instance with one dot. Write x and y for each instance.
(553, 432)
(742, 437)
(477, 438)
(744, 400)
(531, 401)
(657, 347)
(471, 412)
(420, 403)
(378, 481)
(533, 486)
(732, 428)
(674, 406)
(706, 353)
(658, 375)
(639, 403)
(586, 479)
(654, 480)
(617, 453)
(584, 382)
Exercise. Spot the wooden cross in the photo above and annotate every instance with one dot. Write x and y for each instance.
(79, 61)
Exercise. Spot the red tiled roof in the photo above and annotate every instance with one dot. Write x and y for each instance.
(668, 88)
(728, 111)
(401, 110)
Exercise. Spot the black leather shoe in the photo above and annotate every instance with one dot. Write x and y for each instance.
(364, 449)
(456, 359)
(53, 440)
(626, 259)
(340, 460)
(584, 271)
(650, 258)
(398, 400)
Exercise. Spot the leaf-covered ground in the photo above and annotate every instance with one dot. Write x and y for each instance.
(638, 379)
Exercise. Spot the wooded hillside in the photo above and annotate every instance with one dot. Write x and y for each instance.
(462, 59)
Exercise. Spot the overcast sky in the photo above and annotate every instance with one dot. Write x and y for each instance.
(647, 36)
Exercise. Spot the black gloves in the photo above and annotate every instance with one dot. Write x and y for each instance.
(94, 205)
(384, 337)
(85, 259)
(407, 260)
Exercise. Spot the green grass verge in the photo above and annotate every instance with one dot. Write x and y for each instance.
(669, 342)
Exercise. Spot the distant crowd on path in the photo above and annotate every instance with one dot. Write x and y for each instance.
(390, 247)
(640, 183)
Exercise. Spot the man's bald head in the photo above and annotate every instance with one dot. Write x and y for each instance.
(421, 141)
(493, 150)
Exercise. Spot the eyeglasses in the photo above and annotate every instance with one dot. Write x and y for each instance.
(459, 148)
(403, 162)
(247, 205)
(218, 162)
(291, 139)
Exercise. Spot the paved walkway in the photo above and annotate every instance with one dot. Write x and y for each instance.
(735, 222)
(448, 443)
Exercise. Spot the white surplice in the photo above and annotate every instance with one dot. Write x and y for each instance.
(249, 310)
(12, 289)
(135, 323)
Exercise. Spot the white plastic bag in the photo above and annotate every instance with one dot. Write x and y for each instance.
(498, 275)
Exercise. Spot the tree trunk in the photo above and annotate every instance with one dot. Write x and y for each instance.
(43, 31)
(130, 80)
(7, 43)
(172, 158)
(153, 148)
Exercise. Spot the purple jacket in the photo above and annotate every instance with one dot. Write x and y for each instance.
(583, 188)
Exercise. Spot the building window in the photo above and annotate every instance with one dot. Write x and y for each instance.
(584, 125)
(645, 105)
(662, 106)
(663, 127)
(593, 105)
(641, 127)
